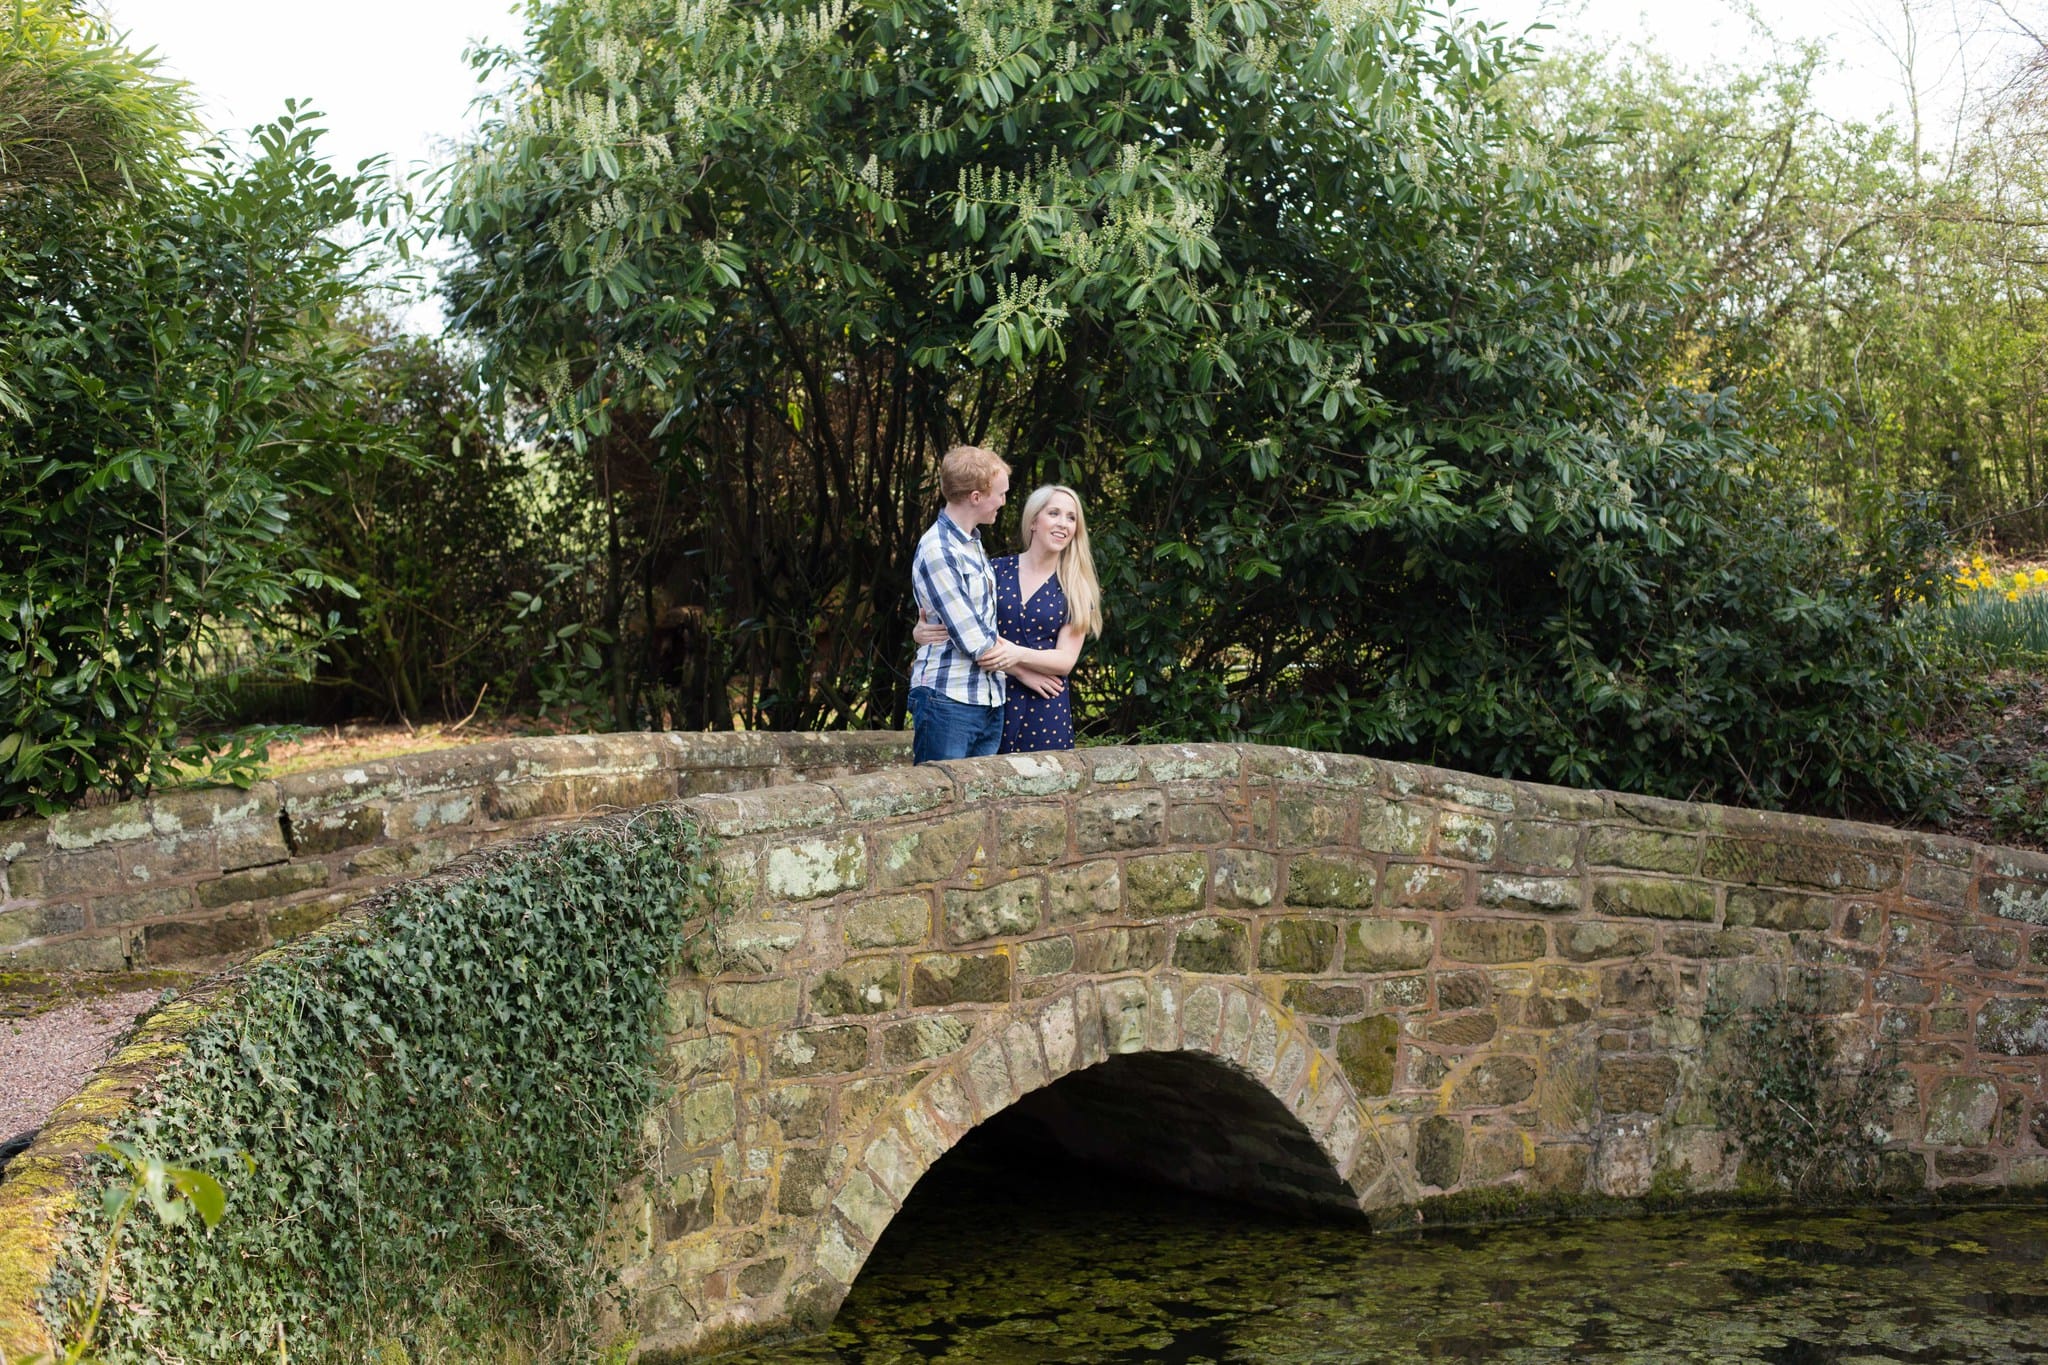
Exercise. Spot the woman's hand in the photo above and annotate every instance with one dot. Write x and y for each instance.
(1044, 684)
(928, 631)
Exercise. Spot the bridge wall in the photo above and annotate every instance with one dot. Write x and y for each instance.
(1340, 982)
(199, 876)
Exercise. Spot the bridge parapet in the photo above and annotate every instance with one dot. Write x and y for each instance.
(1313, 979)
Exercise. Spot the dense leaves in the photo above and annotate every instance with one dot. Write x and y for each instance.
(437, 1102)
(174, 385)
(1361, 370)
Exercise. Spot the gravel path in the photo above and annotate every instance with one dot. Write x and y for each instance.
(45, 1060)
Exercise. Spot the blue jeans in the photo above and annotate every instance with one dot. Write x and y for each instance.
(944, 728)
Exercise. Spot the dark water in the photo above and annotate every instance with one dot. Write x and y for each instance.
(991, 1265)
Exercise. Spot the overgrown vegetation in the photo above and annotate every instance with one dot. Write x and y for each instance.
(436, 1100)
(1808, 1121)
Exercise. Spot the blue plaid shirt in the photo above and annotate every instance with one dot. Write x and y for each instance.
(955, 586)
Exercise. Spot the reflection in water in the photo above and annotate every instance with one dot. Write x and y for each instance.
(1003, 1257)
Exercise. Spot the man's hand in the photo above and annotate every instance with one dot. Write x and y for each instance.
(999, 657)
(1044, 684)
(928, 631)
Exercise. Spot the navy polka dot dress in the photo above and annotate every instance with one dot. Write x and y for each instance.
(1029, 720)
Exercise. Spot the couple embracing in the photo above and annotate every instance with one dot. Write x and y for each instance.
(996, 639)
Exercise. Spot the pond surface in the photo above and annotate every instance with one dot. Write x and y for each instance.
(1003, 1260)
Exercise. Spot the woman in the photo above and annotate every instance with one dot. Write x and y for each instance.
(1047, 602)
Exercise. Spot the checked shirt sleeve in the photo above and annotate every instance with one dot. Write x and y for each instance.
(945, 590)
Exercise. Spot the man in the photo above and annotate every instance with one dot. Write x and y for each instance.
(956, 687)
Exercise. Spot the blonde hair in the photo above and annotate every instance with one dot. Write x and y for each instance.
(1077, 562)
(965, 470)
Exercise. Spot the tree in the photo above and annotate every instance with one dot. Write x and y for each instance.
(175, 382)
(1357, 368)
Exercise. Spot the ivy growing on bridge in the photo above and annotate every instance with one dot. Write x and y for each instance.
(438, 1100)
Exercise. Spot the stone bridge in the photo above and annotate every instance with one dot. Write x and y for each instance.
(1312, 980)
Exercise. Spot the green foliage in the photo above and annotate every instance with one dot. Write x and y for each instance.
(2006, 633)
(1811, 1123)
(1359, 368)
(2018, 804)
(80, 111)
(439, 538)
(437, 1102)
(177, 385)
(1883, 308)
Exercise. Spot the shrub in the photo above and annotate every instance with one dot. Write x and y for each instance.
(438, 1099)
(1811, 1124)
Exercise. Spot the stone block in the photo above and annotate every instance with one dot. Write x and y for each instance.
(1703, 942)
(1045, 957)
(1467, 838)
(1319, 1000)
(1562, 1168)
(1494, 941)
(1463, 990)
(818, 1051)
(1637, 986)
(1108, 821)
(915, 1041)
(1402, 992)
(810, 869)
(292, 921)
(865, 986)
(887, 922)
(1102, 951)
(1824, 990)
(1319, 881)
(1961, 1112)
(960, 978)
(1163, 884)
(1300, 947)
(515, 802)
(1197, 823)
(892, 793)
(262, 884)
(1644, 850)
(1463, 1030)
(1387, 945)
(1212, 945)
(756, 1004)
(1423, 886)
(64, 876)
(1948, 887)
(1245, 879)
(1088, 891)
(255, 842)
(99, 953)
(2013, 1028)
(1365, 1051)
(925, 852)
(1637, 1085)
(999, 911)
(1031, 836)
(234, 933)
(408, 859)
(1539, 844)
(1770, 862)
(1529, 895)
(1652, 898)
(1394, 827)
(1493, 1082)
(1592, 940)
(1779, 910)
(46, 921)
(714, 1056)
(803, 1182)
(2025, 902)
(702, 1115)
(334, 831)
(165, 902)
(1440, 1151)
(1305, 821)
(1994, 950)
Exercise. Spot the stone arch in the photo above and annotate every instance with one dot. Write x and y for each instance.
(1222, 1021)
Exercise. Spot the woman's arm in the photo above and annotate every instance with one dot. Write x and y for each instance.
(1061, 658)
